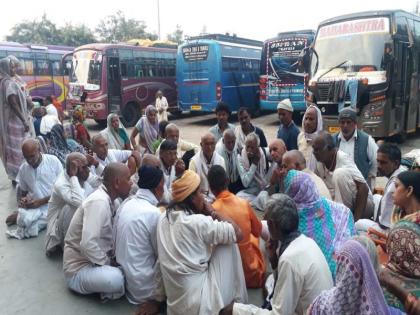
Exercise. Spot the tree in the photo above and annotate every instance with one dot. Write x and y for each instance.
(76, 35)
(42, 32)
(116, 28)
(177, 36)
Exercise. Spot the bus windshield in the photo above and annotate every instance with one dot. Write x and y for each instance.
(87, 69)
(351, 47)
(283, 55)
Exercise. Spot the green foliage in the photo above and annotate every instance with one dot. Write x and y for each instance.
(177, 36)
(118, 28)
(113, 28)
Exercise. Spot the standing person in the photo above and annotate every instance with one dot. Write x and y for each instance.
(300, 269)
(148, 130)
(357, 290)
(360, 146)
(288, 131)
(161, 106)
(135, 226)
(200, 261)
(82, 135)
(246, 127)
(15, 119)
(312, 125)
(240, 211)
(116, 134)
(35, 181)
(88, 249)
(68, 193)
(222, 115)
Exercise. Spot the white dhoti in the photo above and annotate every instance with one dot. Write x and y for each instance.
(58, 225)
(106, 280)
(345, 191)
(29, 222)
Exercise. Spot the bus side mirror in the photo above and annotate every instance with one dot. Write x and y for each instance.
(304, 60)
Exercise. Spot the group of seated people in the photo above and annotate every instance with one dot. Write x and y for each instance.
(187, 229)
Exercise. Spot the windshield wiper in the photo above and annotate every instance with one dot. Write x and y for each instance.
(332, 68)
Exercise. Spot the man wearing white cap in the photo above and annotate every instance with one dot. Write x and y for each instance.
(288, 131)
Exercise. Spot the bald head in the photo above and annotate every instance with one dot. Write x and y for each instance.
(294, 159)
(172, 132)
(277, 148)
(150, 160)
(31, 152)
(77, 165)
(100, 146)
(116, 178)
(208, 145)
(229, 139)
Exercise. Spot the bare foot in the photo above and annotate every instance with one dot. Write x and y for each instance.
(11, 219)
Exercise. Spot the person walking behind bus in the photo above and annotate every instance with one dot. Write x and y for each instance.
(360, 146)
(222, 115)
(288, 131)
(161, 106)
(15, 117)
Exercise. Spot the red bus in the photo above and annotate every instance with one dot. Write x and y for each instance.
(120, 78)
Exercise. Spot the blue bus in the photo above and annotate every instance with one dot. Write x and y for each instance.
(215, 67)
(282, 70)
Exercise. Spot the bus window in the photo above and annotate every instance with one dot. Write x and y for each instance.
(402, 26)
(126, 63)
(42, 66)
(3, 53)
(27, 67)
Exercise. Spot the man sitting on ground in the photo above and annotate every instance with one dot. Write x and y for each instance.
(295, 160)
(135, 238)
(246, 127)
(69, 191)
(222, 115)
(103, 156)
(389, 159)
(301, 271)
(185, 149)
(204, 160)
(253, 169)
(342, 177)
(35, 179)
(169, 165)
(240, 211)
(227, 149)
(88, 249)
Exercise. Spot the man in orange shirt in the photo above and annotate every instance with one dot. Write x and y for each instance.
(240, 211)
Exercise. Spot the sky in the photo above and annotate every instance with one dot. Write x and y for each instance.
(255, 19)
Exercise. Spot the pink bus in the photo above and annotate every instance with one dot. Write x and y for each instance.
(120, 78)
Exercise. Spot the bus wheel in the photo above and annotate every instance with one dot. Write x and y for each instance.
(131, 114)
(400, 138)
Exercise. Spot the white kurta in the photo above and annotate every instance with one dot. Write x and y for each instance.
(67, 195)
(199, 165)
(199, 277)
(169, 176)
(162, 104)
(113, 156)
(38, 182)
(136, 246)
(303, 274)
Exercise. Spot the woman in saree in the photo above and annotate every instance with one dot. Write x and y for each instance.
(148, 130)
(116, 134)
(328, 223)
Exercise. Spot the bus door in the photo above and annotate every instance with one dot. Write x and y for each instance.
(114, 85)
(411, 92)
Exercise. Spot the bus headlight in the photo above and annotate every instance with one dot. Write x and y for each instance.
(374, 111)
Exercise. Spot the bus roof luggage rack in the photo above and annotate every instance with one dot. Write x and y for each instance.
(227, 38)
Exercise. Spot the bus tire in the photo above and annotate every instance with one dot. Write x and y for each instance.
(131, 114)
(400, 137)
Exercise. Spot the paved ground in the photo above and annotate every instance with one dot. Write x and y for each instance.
(30, 283)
